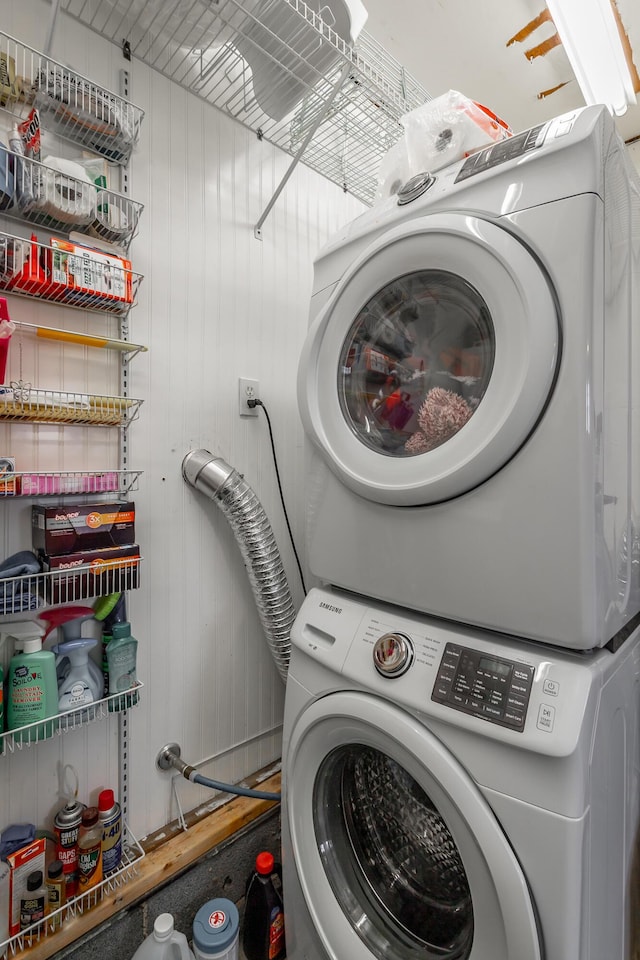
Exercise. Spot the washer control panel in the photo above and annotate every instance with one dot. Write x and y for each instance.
(487, 686)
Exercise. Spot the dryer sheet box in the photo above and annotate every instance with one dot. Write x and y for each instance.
(91, 573)
(57, 531)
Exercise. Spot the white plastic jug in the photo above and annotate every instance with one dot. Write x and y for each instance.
(164, 943)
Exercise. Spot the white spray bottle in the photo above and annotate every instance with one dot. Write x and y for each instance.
(79, 685)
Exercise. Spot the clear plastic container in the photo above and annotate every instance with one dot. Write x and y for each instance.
(164, 943)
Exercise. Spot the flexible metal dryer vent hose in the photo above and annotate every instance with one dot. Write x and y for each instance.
(250, 524)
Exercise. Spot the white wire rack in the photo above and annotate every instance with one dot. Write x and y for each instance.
(132, 854)
(40, 194)
(70, 580)
(63, 272)
(68, 103)
(68, 483)
(21, 402)
(70, 720)
(273, 65)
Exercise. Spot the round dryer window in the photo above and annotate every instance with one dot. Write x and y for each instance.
(416, 363)
(432, 361)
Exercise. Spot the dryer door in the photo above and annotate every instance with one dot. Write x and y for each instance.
(398, 854)
(432, 361)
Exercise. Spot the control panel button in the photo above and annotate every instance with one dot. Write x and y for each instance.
(551, 688)
(392, 654)
(546, 717)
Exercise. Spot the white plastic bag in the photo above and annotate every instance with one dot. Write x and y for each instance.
(449, 128)
(436, 134)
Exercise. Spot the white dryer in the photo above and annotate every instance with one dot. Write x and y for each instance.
(454, 795)
(470, 387)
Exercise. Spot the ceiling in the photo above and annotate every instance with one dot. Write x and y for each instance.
(464, 46)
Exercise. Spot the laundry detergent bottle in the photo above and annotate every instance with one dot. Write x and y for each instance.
(164, 943)
(31, 683)
(263, 933)
(79, 685)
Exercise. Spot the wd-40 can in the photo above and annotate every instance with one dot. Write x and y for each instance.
(111, 820)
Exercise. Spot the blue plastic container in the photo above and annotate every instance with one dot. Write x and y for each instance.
(215, 930)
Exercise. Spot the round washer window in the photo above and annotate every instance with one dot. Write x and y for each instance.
(390, 858)
(416, 363)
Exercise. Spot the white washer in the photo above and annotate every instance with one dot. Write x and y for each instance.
(477, 800)
(470, 387)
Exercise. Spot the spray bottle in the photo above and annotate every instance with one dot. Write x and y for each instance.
(78, 686)
(110, 609)
(32, 688)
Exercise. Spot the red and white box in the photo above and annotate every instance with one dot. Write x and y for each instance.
(90, 275)
(23, 862)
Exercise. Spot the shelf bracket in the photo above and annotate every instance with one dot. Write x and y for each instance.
(55, 4)
(257, 232)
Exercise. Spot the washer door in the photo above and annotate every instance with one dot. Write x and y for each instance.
(398, 854)
(432, 361)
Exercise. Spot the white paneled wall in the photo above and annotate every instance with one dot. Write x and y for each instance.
(215, 304)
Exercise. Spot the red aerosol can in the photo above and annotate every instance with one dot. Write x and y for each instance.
(66, 827)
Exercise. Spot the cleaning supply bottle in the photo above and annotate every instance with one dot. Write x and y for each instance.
(55, 893)
(215, 930)
(78, 685)
(263, 931)
(121, 656)
(109, 610)
(32, 687)
(71, 627)
(90, 850)
(33, 900)
(111, 822)
(164, 943)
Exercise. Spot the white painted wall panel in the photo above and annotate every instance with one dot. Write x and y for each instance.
(215, 304)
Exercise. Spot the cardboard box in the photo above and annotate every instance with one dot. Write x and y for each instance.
(91, 573)
(8, 89)
(8, 485)
(86, 526)
(22, 863)
(89, 276)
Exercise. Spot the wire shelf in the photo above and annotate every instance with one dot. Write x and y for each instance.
(124, 347)
(68, 483)
(71, 579)
(68, 103)
(64, 272)
(132, 854)
(69, 721)
(21, 402)
(40, 194)
(273, 65)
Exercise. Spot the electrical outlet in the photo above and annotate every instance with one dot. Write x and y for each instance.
(247, 390)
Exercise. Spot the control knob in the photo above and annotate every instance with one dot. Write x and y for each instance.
(392, 654)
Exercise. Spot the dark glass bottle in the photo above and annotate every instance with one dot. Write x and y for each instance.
(263, 930)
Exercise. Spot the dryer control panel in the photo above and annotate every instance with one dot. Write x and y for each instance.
(487, 686)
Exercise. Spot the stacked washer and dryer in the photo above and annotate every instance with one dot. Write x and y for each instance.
(462, 735)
